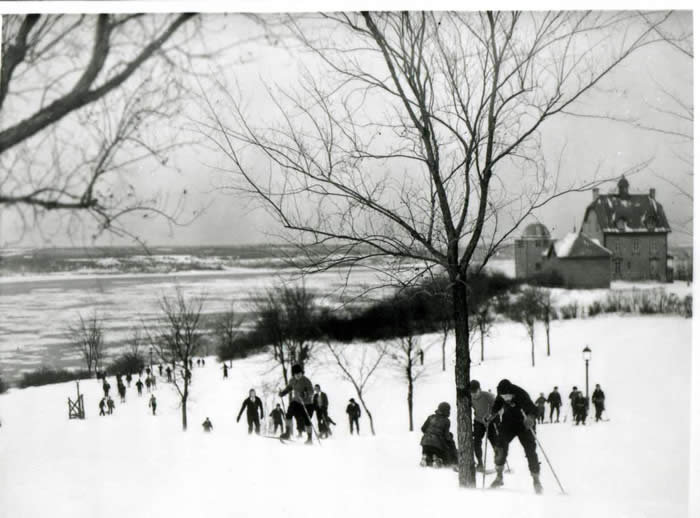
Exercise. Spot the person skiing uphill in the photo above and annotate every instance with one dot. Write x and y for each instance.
(518, 420)
(482, 403)
(598, 402)
(554, 400)
(252, 405)
(540, 402)
(208, 427)
(301, 407)
(437, 442)
(580, 409)
(276, 416)
(320, 401)
(354, 412)
(139, 386)
(153, 403)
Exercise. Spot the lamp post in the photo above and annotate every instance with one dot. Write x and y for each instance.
(587, 358)
(150, 351)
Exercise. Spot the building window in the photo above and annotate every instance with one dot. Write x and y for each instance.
(617, 247)
(635, 246)
(652, 246)
(618, 267)
(629, 265)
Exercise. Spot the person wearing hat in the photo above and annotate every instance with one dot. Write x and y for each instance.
(254, 411)
(598, 402)
(554, 400)
(301, 407)
(207, 425)
(519, 416)
(482, 403)
(437, 441)
(354, 412)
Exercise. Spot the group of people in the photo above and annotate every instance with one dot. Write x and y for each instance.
(107, 405)
(579, 405)
(501, 418)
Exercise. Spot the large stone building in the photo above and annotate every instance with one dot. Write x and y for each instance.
(634, 228)
(530, 249)
(580, 261)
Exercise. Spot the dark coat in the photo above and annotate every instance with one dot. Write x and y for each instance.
(276, 415)
(554, 399)
(436, 432)
(520, 403)
(252, 408)
(353, 410)
(598, 397)
(321, 401)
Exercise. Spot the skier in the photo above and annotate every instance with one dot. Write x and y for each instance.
(518, 420)
(252, 404)
(153, 381)
(169, 373)
(540, 402)
(580, 408)
(598, 402)
(301, 406)
(110, 405)
(225, 371)
(572, 397)
(208, 427)
(122, 392)
(105, 387)
(437, 443)
(160, 370)
(321, 406)
(148, 383)
(482, 403)
(276, 416)
(554, 400)
(102, 406)
(354, 412)
(139, 386)
(152, 403)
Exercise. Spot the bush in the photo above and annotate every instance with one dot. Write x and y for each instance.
(547, 279)
(126, 363)
(46, 376)
(3, 386)
(596, 308)
(569, 311)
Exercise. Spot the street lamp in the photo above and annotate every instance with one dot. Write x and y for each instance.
(587, 358)
(150, 350)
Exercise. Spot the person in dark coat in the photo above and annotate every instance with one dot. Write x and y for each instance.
(160, 370)
(139, 386)
(580, 409)
(225, 367)
(122, 392)
(598, 402)
(152, 403)
(254, 412)
(354, 412)
(102, 406)
(208, 427)
(437, 440)
(276, 416)
(482, 404)
(105, 387)
(554, 400)
(169, 373)
(128, 379)
(320, 401)
(518, 420)
(110, 405)
(572, 397)
(301, 406)
(148, 383)
(540, 402)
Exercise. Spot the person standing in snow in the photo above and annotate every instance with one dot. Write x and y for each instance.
(160, 370)
(121, 389)
(105, 387)
(102, 406)
(354, 412)
(437, 442)
(208, 427)
(301, 406)
(128, 379)
(276, 416)
(572, 397)
(252, 405)
(110, 405)
(554, 400)
(518, 420)
(148, 383)
(139, 386)
(482, 403)
(169, 373)
(540, 402)
(320, 402)
(152, 403)
(225, 371)
(580, 409)
(598, 402)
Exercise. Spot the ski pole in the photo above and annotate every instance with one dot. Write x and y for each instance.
(311, 422)
(545, 455)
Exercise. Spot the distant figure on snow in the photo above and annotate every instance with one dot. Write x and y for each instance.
(128, 379)
(354, 412)
(554, 400)
(438, 445)
(540, 402)
(482, 403)
(105, 387)
(110, 405)
(598, 402)
(572, 397)
(208, 427)
(148, 383)
(169, 374)
(321, 406)
(153, 380)
(254, 411)
(276, 416)
(519, 414)
(160, 370)
(102, 406)
(580, 409)
(139, 386)
(301, 407)
(122, 392)
(225, 367)
(152, 403)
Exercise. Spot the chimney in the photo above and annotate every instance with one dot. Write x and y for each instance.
(652, 193)
(596, 193)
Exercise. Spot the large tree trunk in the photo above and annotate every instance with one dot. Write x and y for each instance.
(532, 346)
(444, 343)
(410, 400)
(546, 330)
(481, 333)
(369, 414)
(467, 474)
(184, 405)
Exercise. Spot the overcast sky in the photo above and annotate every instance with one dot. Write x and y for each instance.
(634, 89)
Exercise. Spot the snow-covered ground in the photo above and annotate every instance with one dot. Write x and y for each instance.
(132, 464)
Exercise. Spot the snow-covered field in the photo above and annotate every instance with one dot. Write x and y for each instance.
(132, 464)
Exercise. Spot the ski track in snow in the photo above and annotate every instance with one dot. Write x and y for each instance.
(132, 464)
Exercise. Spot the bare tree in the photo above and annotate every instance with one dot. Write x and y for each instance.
(484, 318)
(547, 312)
(404, 353)
(227, 330)
(88, 335)
(527, 309)
(177, 339)
(81, 115)
(422, 142)
(359, 370)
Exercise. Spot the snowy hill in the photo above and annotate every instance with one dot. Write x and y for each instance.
(132, 464)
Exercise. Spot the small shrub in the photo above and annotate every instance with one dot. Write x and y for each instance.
(46, 376)
(569, 311)
(596, 308)
(547, 279)
(126, 363)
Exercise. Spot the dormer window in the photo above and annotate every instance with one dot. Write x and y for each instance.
(620, 223)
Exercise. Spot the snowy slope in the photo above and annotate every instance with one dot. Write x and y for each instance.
(132, 464)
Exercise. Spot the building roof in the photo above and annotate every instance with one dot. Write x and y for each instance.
(575, 245)
(624, 213)
(535, 231)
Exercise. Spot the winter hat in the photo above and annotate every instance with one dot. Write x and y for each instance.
(504, 387)
(443, 409)
(474, 385)
(296, 369)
